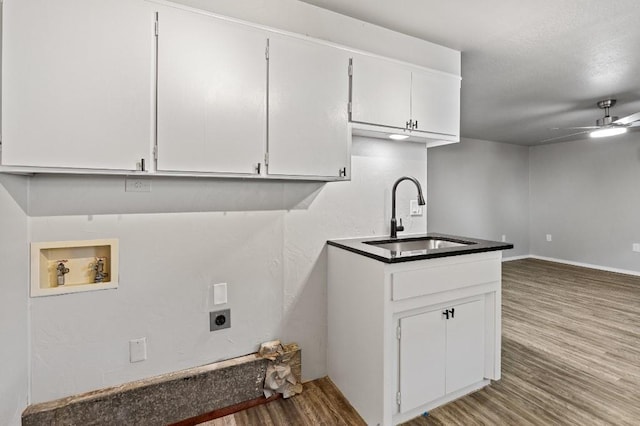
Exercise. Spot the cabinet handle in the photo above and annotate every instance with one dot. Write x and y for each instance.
(258, 168)
(415, 124)
(409, 124)
(446, 313)
(452, 310)
(342, 172)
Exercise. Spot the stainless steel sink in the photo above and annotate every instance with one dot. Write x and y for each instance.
(418, 244)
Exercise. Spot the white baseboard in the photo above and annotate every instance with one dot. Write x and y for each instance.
(510, 258)
(570, 262)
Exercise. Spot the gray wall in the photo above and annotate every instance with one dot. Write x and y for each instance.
(265, 239)
(480, 189)
(586, 194)
(14, 355)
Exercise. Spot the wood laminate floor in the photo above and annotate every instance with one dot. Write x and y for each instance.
(570, 356)
(321, 403)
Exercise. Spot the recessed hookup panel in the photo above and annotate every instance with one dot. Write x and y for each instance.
(219, 320)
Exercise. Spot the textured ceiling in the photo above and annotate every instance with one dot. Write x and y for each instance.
(529, 65)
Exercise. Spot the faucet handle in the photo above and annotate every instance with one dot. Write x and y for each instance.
(400, 227)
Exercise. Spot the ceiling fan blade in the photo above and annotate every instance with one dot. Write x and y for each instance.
(565, 136)
(628, 119)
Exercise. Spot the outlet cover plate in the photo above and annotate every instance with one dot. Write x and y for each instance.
(219, 320)
(220, 294)
(415, 209)
(636, 247)
(137, 185)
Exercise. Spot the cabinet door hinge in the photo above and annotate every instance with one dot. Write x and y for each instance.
(399, 332)
(266, 159)
(398, 398)
(156, 26)
(155, 152)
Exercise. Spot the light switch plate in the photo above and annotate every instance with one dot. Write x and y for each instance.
(636, 247)
(220, 294)
(138, 349)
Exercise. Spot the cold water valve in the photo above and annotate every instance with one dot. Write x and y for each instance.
(61, 270)
(98, 267)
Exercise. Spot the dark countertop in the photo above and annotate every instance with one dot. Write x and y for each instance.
(474, 245)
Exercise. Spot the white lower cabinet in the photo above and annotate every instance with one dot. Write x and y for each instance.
(404, 338)
(422, 359)
(441, 351)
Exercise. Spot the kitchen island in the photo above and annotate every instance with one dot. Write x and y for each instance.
(413, 322)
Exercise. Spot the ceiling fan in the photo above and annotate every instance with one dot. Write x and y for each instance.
(605, 126)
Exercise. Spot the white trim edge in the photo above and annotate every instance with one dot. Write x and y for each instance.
(510, 258)
(569, 262)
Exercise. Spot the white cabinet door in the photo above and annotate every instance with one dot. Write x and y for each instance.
(435, 102)
(308, 101)
(212, 86)
(440, 355)
(381, 92)
(422, 359)
(465, 345)
(76, 83)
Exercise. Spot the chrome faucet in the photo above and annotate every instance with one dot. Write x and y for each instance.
(394, 226)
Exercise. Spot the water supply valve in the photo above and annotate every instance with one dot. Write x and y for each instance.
(61, 270)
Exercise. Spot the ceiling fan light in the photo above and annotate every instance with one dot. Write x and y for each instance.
(609, 131)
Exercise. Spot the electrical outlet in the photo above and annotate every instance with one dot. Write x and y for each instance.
(636, 247)
(549, 237)
(138, 349)
(504, 238)
(219, 320)
(415, 209)
(137, 185)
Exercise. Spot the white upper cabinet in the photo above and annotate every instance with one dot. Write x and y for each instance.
(391, 94)
(308, 101)
(381, 92)
(76, 83)
(212, 90)
(435, 102)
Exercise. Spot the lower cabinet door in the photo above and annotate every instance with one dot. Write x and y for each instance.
(422, 359)
(441, 351)
(465, 345)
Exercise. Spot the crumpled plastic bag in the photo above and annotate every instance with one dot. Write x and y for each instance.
(278, 378)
